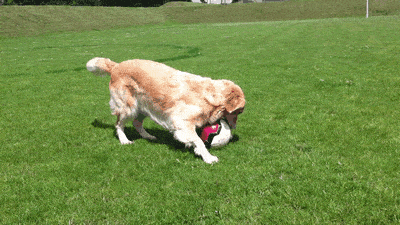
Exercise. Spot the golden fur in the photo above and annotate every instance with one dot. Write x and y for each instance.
(178, 101)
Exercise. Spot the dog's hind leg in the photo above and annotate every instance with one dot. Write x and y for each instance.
(138, 124)
(120, 125)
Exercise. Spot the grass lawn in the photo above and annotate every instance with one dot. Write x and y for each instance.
(318, 142)
(34, 20)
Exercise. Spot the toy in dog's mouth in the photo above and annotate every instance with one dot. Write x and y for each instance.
(216, 135)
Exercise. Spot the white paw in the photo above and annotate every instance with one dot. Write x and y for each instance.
(210, 159)
(126, 142)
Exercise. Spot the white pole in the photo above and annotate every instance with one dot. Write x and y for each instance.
(367, 8)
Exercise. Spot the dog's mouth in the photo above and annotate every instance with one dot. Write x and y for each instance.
(231, 119)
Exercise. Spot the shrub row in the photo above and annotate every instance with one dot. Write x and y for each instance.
(123, 3)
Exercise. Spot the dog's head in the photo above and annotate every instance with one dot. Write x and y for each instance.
(231, 104)
(234, 104)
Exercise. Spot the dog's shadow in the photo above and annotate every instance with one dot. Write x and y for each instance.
(163, 136)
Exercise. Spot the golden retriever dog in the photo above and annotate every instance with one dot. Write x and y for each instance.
(176, 100)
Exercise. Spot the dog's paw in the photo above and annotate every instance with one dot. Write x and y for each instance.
(127, 142)
(210, 159)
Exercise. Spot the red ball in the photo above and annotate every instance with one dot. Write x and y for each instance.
(209, 132)
(216, 135)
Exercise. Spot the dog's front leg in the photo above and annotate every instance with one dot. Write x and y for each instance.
(190, 138)
(200, 149)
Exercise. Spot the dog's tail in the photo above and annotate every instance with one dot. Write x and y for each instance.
(100, 66)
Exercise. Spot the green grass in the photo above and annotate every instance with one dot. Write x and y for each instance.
(318, 142)
(34, 20)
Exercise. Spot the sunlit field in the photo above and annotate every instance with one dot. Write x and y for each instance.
(318, 141)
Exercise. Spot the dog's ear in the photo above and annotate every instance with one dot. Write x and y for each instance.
(234, 98)
(216, 100)
(229, 100)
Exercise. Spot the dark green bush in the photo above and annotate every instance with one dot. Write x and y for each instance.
(122, 3)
